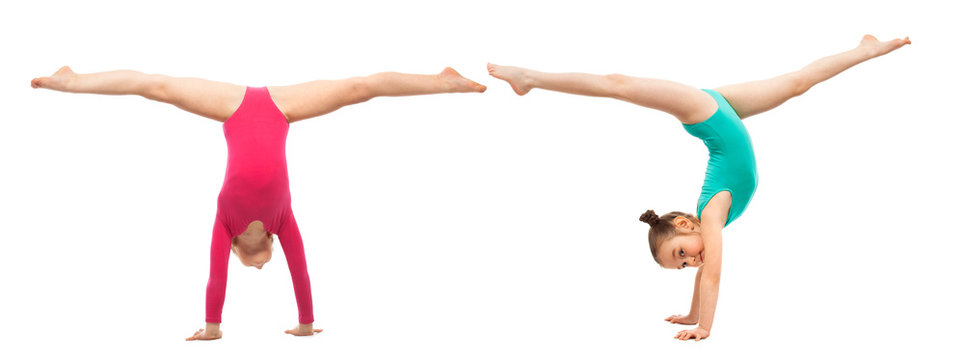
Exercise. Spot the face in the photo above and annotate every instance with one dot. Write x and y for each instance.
(682, 251)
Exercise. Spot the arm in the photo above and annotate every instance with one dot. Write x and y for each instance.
(294, 250)
(710, 280)
(707, 283)
(694, 315)
(217, 283)
(711, 231)
(695, 305)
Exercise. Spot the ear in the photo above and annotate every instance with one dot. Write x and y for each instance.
(681, 222)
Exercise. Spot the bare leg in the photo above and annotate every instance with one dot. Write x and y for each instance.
(315, 98)
(688, 104)
(755, 97)
(211, 99)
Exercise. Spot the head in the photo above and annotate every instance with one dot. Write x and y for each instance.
(253, 249)
(674, 239)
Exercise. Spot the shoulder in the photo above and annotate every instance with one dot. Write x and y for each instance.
(717, 209)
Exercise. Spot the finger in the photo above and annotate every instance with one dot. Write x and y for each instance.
(697, 337)
(319, 330)
(289, 332)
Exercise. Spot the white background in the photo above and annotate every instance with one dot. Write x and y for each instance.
(487, 226)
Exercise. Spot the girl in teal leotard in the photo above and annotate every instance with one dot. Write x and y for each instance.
(678, 239)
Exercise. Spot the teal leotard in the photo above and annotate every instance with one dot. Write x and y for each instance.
(732, 166)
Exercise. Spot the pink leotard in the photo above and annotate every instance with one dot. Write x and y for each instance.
(256, 188)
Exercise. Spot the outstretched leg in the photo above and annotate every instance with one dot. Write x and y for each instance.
(211, 99)
(688, 104)
(315, 98)
(755, 97)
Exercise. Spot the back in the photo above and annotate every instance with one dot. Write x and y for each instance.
(732, 164)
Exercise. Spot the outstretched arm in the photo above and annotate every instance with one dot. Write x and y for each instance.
(210, 99)
(694, 316)
(711, 230)
(294, 250)
(709, 283)
(217, 283)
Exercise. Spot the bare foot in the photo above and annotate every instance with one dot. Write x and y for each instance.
(878, 48)
(458, 83)
(512, 75)
(57, 81)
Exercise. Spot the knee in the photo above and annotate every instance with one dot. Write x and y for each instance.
(798, 83)
(617, 80)
(618, 83)
(359, 89)
(156, 87)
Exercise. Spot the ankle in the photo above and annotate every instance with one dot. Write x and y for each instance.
(528, 81)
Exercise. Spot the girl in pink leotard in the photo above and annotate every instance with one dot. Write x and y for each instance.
(255, 201)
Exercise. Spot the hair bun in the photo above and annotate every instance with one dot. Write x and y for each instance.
(649, 217)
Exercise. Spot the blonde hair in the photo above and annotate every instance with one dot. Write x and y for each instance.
(662, 228)
(239, 250)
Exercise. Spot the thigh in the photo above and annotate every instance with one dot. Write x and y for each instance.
(316, 98)
(755, 97)
(688, 104)
(211, 99)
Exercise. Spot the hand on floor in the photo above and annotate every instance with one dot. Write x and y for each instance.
(696, 333)
(200, 334)
(303, 330)
(685, 320)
